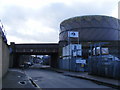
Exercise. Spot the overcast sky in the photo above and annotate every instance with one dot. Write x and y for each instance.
(38, 21)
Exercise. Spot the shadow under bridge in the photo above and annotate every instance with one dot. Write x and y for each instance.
(34, 49)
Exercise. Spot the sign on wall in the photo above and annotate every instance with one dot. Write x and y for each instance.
(81, 61)
(74, 49)
(73, 34)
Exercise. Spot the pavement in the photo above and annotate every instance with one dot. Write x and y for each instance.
(97, 79)
(15, 79)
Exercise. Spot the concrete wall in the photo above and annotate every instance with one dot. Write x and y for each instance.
(0, 62)
(4, 57)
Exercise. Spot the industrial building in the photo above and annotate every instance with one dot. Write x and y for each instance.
(98, 38)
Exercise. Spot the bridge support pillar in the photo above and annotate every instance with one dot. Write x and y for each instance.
(54, 60)
(12, 54)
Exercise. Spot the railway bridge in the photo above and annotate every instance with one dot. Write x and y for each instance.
(34, 49)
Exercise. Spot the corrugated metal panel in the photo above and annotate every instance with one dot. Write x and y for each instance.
(102, 67)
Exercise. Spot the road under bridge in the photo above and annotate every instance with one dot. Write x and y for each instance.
(34, 49)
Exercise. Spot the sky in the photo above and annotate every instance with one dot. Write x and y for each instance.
(38, 21)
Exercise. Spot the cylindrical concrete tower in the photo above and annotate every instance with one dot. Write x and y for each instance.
(92, 28)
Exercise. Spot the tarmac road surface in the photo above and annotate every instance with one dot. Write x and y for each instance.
(45, 78)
